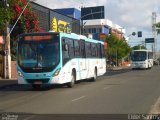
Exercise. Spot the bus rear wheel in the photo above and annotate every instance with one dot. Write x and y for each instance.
(71, 84)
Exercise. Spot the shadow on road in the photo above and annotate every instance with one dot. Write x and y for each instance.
(11, 85)
(116, 72)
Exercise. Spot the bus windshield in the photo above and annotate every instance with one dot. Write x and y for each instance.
(139, 56)
(39, 55)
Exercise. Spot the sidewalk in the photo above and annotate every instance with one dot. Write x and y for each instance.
(7, 82)
(13, 81)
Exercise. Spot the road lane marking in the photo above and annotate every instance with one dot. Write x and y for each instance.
(155, 109)
(107, 87)
(78, 98)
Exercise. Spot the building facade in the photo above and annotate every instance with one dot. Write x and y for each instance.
(51, 20)
(102, 26)
(72, 12)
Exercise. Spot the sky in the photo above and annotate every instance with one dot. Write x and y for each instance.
(133, 15)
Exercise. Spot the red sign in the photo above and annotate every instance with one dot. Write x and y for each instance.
(102, 36)
(1, 40)
(105, 44)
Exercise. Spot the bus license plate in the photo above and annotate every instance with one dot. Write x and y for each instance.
(38, 82)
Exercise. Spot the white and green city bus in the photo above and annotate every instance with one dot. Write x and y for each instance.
(58, 58)
(142, 59)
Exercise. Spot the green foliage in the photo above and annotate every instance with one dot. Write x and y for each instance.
(28, 22)
(138, 47)
(158, 26)
(5, 15)
(117, 47)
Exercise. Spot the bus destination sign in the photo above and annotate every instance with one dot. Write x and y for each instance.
(38, 37)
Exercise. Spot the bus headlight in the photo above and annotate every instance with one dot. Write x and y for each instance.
(57, 72)
(20, 74)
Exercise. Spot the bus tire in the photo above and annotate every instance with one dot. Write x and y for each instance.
(71, 84)
(95, 75)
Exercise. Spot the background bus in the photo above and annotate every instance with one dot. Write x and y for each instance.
(58, 58)
(142, 59)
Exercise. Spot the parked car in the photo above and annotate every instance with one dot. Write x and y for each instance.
(156, 62)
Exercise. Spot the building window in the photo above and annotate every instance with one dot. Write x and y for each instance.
(93, 30)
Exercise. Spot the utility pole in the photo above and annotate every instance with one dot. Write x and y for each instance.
(7, 58)
(116, 57)
(154, 32)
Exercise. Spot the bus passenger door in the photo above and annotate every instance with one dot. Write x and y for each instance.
(83, 68)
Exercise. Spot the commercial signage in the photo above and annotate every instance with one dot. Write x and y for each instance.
(149, 40)
(89, 13)
(59, 25)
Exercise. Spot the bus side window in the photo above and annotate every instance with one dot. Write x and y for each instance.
(99, 54)
(102, 51)
(88, 49)
(94, 50)
(65, 54)
(82, 49)
(71, 48)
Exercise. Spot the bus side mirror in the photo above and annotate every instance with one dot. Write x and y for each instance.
(66, 47)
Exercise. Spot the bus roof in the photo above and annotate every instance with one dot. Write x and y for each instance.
(76, 36)
(142, 50)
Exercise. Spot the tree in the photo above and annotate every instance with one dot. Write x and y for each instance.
(158, 26)
(5, 15)
(138, 47)
(28, 22)
(117, 48)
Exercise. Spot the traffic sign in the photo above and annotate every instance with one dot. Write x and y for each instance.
(139, 33)
(149, 40)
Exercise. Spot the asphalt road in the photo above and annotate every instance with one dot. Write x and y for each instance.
(118, 92)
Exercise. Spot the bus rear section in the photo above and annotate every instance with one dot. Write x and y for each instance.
(142, 59)
(58, 58)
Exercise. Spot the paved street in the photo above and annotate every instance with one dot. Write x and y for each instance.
(118, 92)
